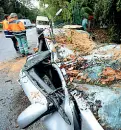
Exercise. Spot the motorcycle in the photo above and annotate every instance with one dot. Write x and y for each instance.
(43, 82)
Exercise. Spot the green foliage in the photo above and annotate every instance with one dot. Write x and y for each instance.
(73, 10)
(1, 13)
(118, 4)
(1, 26)
(23, 8)
(54, 6)
(67, 12)
(107, 11)
(110, 11)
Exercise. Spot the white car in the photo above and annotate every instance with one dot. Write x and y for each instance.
(27, 23)
(42, 23)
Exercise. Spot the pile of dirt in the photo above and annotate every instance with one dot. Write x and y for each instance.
(62, 39)
(78, 41)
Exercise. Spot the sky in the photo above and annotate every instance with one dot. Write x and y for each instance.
(35, 3)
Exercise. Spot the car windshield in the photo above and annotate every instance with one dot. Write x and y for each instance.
(43, 22)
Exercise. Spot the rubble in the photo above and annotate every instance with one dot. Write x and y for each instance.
(72, 26)
(83, 63)
(109, 75)
(103, 102)
(76, 40)
(103, 68)
(91, 68)
(112, 52)
(80, 42)
(101, 73)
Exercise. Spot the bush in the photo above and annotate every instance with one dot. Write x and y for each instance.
(114, 33)
(1, 26)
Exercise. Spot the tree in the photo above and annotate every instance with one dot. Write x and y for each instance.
(73, 10)
(80, 9)
(23, 8)
(1, 13)
(54, 6)
(110, 11)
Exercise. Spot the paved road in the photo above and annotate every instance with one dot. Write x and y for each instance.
(7, 51)
(12, 99)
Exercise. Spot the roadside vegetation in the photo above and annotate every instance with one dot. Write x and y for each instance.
(107, 12)
(23, 8)
(0, 27)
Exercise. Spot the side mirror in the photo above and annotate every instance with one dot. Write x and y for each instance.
(30, 114)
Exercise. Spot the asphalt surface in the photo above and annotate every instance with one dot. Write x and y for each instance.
(12, 98)
(7, 51)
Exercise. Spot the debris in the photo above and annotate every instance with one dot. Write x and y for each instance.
(109, 75)
(16, 126)
(98, 72)
(71, 79)
(76, 40)
(1, 99)
(103, 102)
(72, 72)
(72, 26)
(80, 42)
(8, 81)
(36, 49)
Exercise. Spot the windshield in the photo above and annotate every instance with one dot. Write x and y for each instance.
(43, 22)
